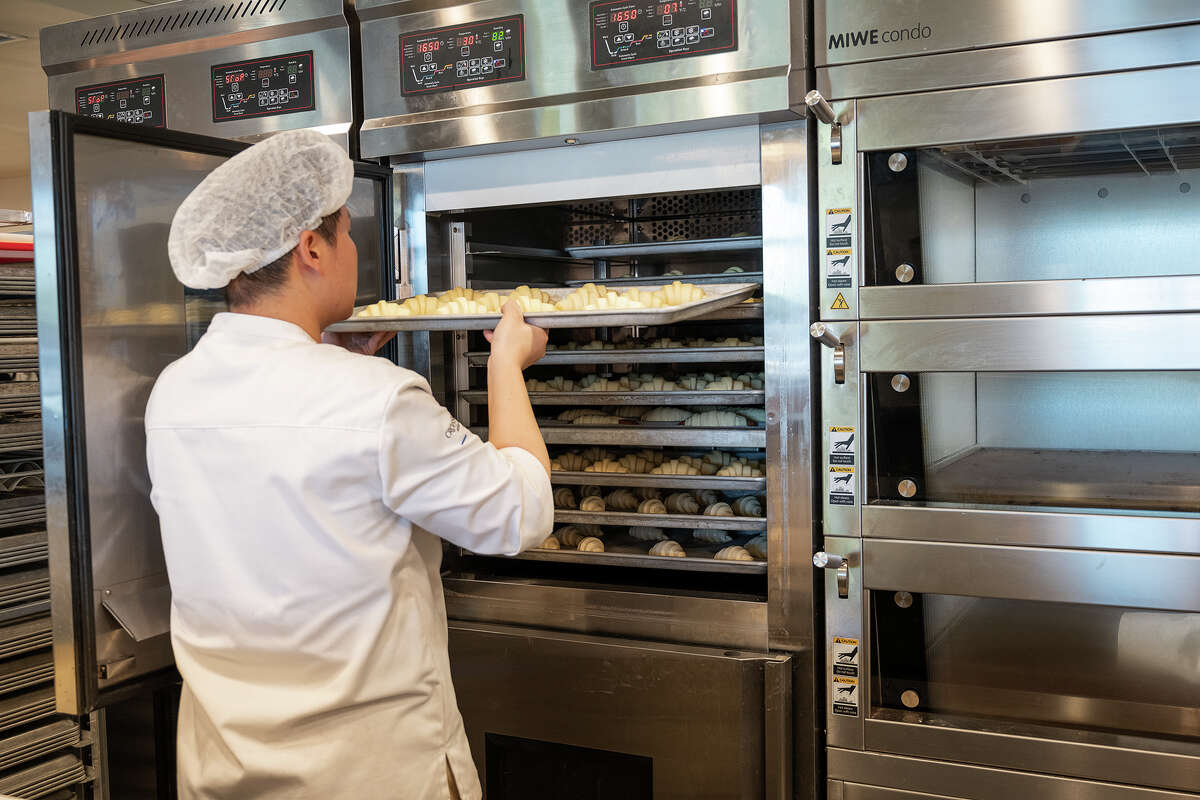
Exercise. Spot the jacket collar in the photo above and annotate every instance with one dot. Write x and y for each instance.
(254, 325)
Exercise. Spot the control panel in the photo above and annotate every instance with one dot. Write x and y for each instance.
(140, 101)
(637, 31)
(461, 56)
(263, 87)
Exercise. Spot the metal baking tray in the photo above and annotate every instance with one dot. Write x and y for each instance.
(40, 741)
(743, 398)
(658, 355)
(650, 436)
(26, 548)
(688, 521)
(696, 278)
(26, 707)
(719, 296)
(679, 482)
(667, 248)
(632, 556)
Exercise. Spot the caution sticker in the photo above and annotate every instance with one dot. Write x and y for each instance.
(841, 486)
(845, 696)
(837, 268)
(845, 657)
(839, 303)
(837, 221)
(841, 444)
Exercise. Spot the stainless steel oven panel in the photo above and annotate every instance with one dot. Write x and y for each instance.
(711, 720)
(844, 620)
(183, 40)
(1132, 532)
(1054, 575)
(975, 24)
(1063, 58)
(1167, 293)
(561, 95)
(841, 408)
(648, 614)
(1142, 342)
(879, 776)
(1153, 97)
(1082, 753)
(838, 188)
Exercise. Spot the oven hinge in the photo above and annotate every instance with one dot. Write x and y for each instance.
(823, 111)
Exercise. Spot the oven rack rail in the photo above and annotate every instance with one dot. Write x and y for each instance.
(661, 355)
(754, 397)
(646, 561)
(699, 277)
(680, 521)
(677, 482)
(682, 247)
(645, 436)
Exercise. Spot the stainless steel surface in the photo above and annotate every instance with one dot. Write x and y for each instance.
(918, 778)
(700, 398)
(668, 248)
(823, 560)
(910, 698)
(561, 96)
(689, 563)
(844, 619)
(900, 383)
(973, 24)
(38, 741)
(778, 738)
(1047, 749)
(906, 488)
(691, 521)
(654, 614)
(821, 332)
(1048, 528)
(1062, 58)
(1166, 293)
(1055, 575)
(718, 296)
(683, 482)
(24, 636)
(183, 40)
(1031, 344)
(840, 408)
(1161, 97)
(820, 107)
(837, 195)
(408, 206)
(905, 273)
(142, 607)
(620, 435)
(897, 162)
(662, 355)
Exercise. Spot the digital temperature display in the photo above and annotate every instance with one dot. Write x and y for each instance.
(461, 56)
(140, 101)
(626, 32)
(263, 87)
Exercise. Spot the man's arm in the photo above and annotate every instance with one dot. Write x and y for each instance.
(515, 346)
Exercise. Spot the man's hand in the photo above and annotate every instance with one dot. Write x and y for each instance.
(516, 341)
(367, 344)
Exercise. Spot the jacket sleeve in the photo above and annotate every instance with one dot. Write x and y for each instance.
(445, 479)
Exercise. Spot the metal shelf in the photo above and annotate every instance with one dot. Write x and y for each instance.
(10, 217)
(647, 436)
(700, 277)
(509, 251)
(636, 557)
(741, 311)
(732, 243)
(26, 707)
(658, 355)
(679, 482)
(744, 398)
(40, 741)
(685, 521)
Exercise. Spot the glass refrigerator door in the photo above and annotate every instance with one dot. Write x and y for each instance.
(111, 316)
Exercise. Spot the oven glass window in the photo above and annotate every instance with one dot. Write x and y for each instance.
(518, 769)
(1116, 204)
(1096, 667)
(1093, 440)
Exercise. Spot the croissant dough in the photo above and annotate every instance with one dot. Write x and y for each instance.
(757, 547)
(711, 536)
(550, 543)
(716, 419)
(591, 504)
(740, 469)
(591, 491)
(670, 548)
(646, 533)
(675, 467)
(733, 553)
(707, 496)
(569, 462)
(597, 418)
(652, 506)
(748, 506)
(622, 500)
(606, 466)
(718, 510)
(666, 415)
(564, 498)
(682, 503)
(593, 545)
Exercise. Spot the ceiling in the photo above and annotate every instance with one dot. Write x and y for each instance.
(21, 66)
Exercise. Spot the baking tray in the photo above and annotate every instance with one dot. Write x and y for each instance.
(719, 297)
(688, 521)
(646, 355)
(754, 397)
(730, 243)
(635, 556)
(649, 436)
(679, 482)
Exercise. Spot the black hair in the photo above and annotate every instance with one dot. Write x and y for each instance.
(248, 287)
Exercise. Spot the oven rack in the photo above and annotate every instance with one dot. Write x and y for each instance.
(27, 671)
(19, 354)
(17, 436)
(647, 355)
(754, 397)
(25, 548)
(679, 482)
(20, 396)
(634, 556)
(682, 521)
(23, 636)
(26, 707)
(682, 247)
(699, 277)
(645, 436)
(40, 741)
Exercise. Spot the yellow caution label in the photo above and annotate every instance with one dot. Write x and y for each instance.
(842, 470)
(843, 640)
(840, 304)
(840, 429)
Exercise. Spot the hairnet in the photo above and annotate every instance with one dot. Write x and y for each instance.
(250, 210)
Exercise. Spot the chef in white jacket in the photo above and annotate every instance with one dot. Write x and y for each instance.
(304, 489)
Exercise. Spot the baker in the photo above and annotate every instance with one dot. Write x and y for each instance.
(304, 489)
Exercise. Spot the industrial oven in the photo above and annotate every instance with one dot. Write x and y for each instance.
(1009, 451)
(626, 143)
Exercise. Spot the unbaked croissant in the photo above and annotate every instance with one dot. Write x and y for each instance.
(596, 418)
(651, 506)
(748, 506)
(645, 533)
(670, 548)
(593, 545)
(550, 543)
(740, 469)
(682, 503)
(564, 498)
(715, 419)
(592, 454)
(635, 463)
(707, 496)
(571, 535)
(733, 553)
(757, 547)
(720, 458)
(675, 467)
(630, 412)
(753, 414)
(711, 536)
(570, 414)
(591, 504)
(622, 500)
(606, 466)
(657, 384)
(647, 492)
(569, 462)
(591, 491)
(666, 415)
(716, 510)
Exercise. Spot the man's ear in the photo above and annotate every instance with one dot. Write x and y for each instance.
(309, 251)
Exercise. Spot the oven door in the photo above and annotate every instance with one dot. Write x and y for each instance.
(1052, 660)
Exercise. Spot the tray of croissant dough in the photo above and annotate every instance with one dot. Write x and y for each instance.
(591, 305)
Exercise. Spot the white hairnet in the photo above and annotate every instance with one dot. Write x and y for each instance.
(250, 210)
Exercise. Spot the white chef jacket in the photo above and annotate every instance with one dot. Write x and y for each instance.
(301, 491)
